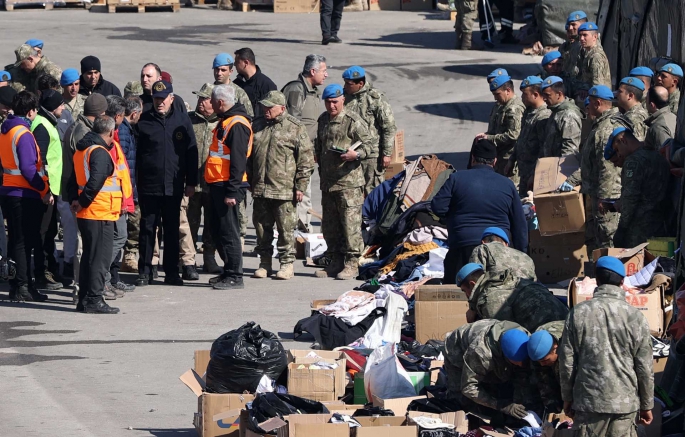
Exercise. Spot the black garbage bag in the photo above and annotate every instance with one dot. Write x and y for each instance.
(240, 358)
(269, 405)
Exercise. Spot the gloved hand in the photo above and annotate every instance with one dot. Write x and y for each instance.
(565, 187)
(516, 410)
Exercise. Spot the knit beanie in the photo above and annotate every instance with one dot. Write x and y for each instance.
(96, 104)
(90, 63)
(51, 100)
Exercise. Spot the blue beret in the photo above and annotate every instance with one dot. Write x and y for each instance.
(609, 149)
(633, 81)
(498, 72)
(587, 101)
(549, 57)
(673, 69)
(641, 71)
(332, 91)
(588, 26)
(497, 232)
(601, 92)
(465, 271)
(5, 76)
(539, 345)
(530, 81)
(612, 264)
(551, 81)
(35, 43)
(575, 16)
(69, 76)
(498, 82)
(222, 59)
(354, 72)
(514, 344)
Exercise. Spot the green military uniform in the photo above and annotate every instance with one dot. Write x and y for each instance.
(503, 296)
(467, 13)
(563, 130)
(21, 80)
(644, 183)
(75, 105)
(281, 163)
(599, 179)
(342, 185)
(547, 378)
(372, 107)
(570, 55)
(504, 128)
(529, 143)
(605, 364)
(673, 100)
(660, 127)
(637, 116)
(496, 257)
(593, 69)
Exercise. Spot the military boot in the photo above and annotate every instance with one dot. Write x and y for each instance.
(466, 41)
(264, 270)
(130, 264)
(331, 270)
(210, 265)
(351, 270)
(285, 272)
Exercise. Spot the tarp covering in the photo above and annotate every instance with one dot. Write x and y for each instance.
(551, 16)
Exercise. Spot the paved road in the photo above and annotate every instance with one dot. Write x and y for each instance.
(70, 374)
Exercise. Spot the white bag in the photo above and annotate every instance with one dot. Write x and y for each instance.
(384, 376)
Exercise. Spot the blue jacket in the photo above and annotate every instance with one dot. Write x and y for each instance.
(475, 199)
(128, 145)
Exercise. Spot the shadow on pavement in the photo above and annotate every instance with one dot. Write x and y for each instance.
(465, 111)
(169, 432)
(516, 71)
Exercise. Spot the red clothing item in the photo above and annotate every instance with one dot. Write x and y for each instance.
(127, 203)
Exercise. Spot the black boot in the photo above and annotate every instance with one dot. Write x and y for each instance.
(173, 280)
(22, 294)
(99, 307)
(36, 295)
(229, 284)
(190, 273)
(143, 280)
(155, 273)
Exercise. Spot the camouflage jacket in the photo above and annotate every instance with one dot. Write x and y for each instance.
(593, 69)
(372, 107)
(22, 80)
(605, 356)
(570, 54)
(204, 134)
(496, 257)
(303, 102)
(674, 101)
(644, 191)
(637, 116)
(334, 136)
(547, 378)
(562, 136)
(600, 178)
(504, 128)
(75, 105)
(529, 142)
(456, 344)
(282, 159)
(659, 128)
(241, 97)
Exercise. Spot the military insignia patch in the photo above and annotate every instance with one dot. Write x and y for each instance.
(355, 74)
(179, 136)
(577, 16)
(670, 69)
(159, 86)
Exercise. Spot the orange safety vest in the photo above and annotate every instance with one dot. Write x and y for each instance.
(218, 165)
(10, 161)
(121, 168)
(107, 203)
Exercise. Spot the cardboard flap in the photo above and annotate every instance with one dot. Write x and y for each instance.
(273, 423)
(193, 381)
(629, 253)
(552, 172)
(381, 421)
(433, 293)
(201, 361)
(226, 414)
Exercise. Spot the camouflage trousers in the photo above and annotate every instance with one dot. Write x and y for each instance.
(605, 425)
(226, 5)
(199, 202)
(467, 13)
(269, 212)
(600, 228)
(242, 215)
(133, 229)
(373, 174)
(342, 223)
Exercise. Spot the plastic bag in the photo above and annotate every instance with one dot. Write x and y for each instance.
(269, 405)
(240, 358)
(384, 377)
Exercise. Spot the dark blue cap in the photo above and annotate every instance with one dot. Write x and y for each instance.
(673, 69)
(354, 72)
(332, 91)
(641, 71)
(161, 89)
(576, 16)
(612, 264)
(633, 81)
(497, 232)
(601, 92)
(5, 76)
(609, 148)
(465, 271)
(551, 81)
(35, 43)
(539, 345)
(589, 27)
(514, 343)
(530, 81)
(222, 59)
(69, 76)
(498, 82)
(549, 57)
(498, 72)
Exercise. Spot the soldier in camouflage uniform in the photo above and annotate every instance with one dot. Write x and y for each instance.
(467, 13)
(564, 127)
(73, 101)
(644, 188)
(600, 180)
(543, 348)
(529, 142)
(670, 76)
(593, 66)
(29, 67)
(482, 372)
(570, 49)
(372, 107)
(495, 255)
(605, 360)
(342, 183)
(629, 101)
(278, 171)
(505, 124)
(661, 122)
(646, 75)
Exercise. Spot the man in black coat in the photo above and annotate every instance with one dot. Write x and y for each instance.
(92, 80)
(251, 79)
(166, 168)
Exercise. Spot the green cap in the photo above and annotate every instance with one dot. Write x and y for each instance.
(22, 53)
(134, 88)
(274, 98)
(205, 91)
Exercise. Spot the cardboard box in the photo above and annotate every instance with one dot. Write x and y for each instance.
(217, 414)
(398, 406)
(388, 426)
(457, 418)
(311, 425)
(550, 173)
(634, 259)
(398, 154)
(558, 213)
(439, 309)
(558, 257)
(393, 169)
(296, 6)
(659, 364)
(317, 304)
(417, 5)
(309, 245)
(316, 384)
(385, 5)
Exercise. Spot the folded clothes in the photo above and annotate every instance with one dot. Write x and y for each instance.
(351, 307)
(410, 250)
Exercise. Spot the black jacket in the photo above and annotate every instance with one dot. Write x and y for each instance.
(104, 87)
(41, 134)
(237, 140)
(256, 88)
(166, 154)
(101, 167)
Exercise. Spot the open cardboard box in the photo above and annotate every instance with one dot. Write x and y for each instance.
(398, 406)
(558, 213)
(634, 259)
(316, 384)
(559, 257)
(457, 418)
(439, 309)
(387, 426)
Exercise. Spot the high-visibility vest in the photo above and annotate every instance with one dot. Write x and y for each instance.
(53, 155)
(218, 165)
(107, 203)
(10, 161)
(122, 171)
